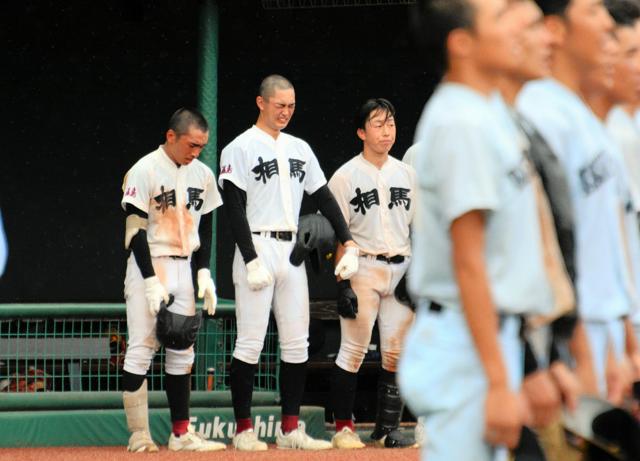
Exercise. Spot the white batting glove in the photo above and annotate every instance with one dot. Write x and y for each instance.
(348, 264)
(258, 276)
(207, 290)
(155, 293)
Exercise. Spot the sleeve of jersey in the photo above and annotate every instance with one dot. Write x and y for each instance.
(414, 191)
(465, 167)
(233, 166)
(135, 188)
(315, 176)
(339, 187)
(212, 198)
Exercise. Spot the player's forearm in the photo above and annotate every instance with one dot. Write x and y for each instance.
(235, 204)
(467, 235)
(329, 208)
(631, 342)
(205, 232)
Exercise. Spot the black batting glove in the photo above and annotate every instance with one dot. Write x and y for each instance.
(347, 300)
(402, 295)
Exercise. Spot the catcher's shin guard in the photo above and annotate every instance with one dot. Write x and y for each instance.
(136, 409)
(388, 415)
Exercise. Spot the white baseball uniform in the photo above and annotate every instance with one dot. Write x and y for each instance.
(602, 280)
(174, 199)
(467, 160)
(275, 174)
(626, 134)
(378, 205)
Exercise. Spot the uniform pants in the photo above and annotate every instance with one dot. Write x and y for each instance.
(175, 275)
(374, 285)
(288, 295)
(602, 335)
(441, 378)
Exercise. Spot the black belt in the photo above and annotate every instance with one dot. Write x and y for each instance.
(279, 235)
(177, 257)
(438, 308)
(397, 259)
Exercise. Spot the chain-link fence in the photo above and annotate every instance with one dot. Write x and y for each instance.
(72, 349)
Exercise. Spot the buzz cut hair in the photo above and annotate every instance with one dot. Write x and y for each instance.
(625, 13)
(434, 20)
(553, 7)
(372, 106)
(271, 83)
(185, 118)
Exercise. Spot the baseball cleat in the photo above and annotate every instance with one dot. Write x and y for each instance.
(394, 439)
(299, 439)
(346, 439)
(193, 441)
(141, 442)
(248, 441)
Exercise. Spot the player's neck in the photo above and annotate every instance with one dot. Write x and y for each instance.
(599, 103)
(465, 72)
(264, 127)
(509, 88)
(375, 158)
(169, 153)
(568, 73)
(629, 109)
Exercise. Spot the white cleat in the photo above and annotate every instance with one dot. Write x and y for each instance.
(346, 439)
(299, 439)
(248, 441)
(193, 441)
(141, 442)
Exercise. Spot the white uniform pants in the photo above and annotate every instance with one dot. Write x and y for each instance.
(374, 284)
(602, 335)
(175, 275)
(441, 378)
(289, 296)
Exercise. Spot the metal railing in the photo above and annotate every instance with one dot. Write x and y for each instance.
(80, 347)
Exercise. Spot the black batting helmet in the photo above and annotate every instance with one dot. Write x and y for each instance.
(177, 331)
(316, 239)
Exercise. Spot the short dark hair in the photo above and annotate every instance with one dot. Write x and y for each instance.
(184, 118)
(625, 13)
(553, 7)
(433, 20)
(272, 82)
(373, 105)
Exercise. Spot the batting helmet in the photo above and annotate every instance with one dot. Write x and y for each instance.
(177, 331)
(316, 239)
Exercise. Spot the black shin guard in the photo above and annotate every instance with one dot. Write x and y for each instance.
(343, 393)
(131, 382)
(389, 412)
(178, 388)
(241, 382)
(292, 381)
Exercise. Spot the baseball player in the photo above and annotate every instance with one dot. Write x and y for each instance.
(477, 263)
(626, 134)
(557, 109)
(169, 198)
(376, 194)
(264, 174)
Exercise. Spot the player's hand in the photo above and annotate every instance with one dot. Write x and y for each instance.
(207, 290)
(619, 378)
(504, 416)
(348, 264)
(155, 293)
(543, 397)
(258, 276)
(347, 300)
(568, 384)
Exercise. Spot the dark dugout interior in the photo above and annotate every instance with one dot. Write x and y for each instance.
(87, 90)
